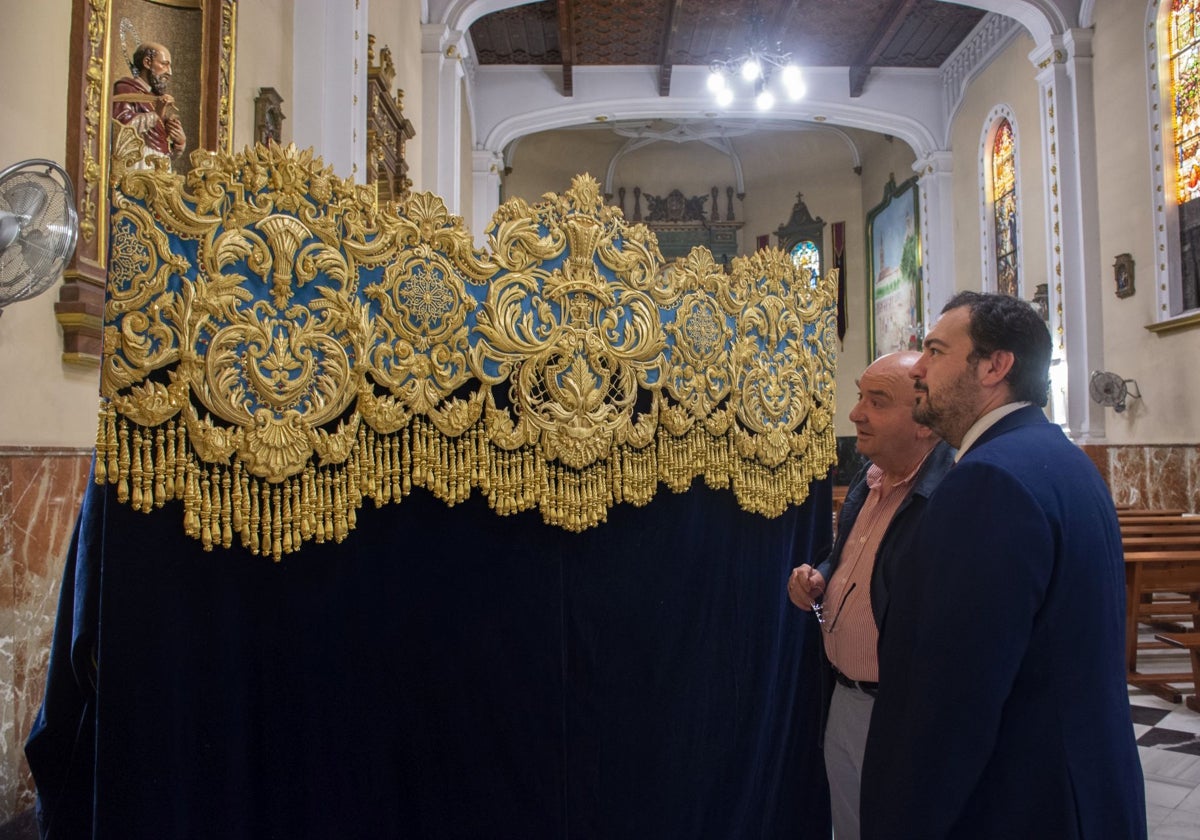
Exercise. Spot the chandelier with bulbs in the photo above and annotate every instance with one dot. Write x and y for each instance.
(754, 71)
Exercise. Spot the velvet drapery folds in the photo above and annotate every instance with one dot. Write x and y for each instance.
(523, 635)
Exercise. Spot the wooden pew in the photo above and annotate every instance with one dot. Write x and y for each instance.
(1149, 572)
(1131, 513)
(1163, 541)
(1162, 611)
(1172, 528)
(1191, 643)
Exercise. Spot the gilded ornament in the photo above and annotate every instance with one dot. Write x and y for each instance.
(279, 349)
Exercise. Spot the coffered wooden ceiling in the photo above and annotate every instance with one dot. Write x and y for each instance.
(856, 34)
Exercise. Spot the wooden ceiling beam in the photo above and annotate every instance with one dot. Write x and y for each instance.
(884, 32)
(783, 13)
(669, 46)
(566, 44)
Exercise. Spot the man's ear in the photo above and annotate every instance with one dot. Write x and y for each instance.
(994, 367)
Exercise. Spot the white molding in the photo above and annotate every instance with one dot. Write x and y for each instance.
(987, 40)
(330, 91)
(936, 185)
(1167, 269)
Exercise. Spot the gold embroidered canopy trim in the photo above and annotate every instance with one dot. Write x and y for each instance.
(280, 348)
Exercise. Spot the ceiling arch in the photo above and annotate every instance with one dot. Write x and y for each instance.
(507, 102)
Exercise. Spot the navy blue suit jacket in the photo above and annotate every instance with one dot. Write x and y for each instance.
(1003, 710)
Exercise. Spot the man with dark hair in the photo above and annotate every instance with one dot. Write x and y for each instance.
(141, 101)
(1003, 710)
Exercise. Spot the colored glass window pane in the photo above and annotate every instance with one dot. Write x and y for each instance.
(1185, 96)
(806, 258)
(1004, 205)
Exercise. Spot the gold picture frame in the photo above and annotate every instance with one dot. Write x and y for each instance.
(96, 62)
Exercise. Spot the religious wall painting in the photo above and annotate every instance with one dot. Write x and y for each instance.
(894, 271)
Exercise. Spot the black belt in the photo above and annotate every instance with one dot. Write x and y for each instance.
(871, 688)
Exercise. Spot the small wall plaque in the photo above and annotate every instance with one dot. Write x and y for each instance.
(1123, 275)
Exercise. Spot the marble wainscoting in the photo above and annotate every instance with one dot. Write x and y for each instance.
(1158, 476)
(40, 493)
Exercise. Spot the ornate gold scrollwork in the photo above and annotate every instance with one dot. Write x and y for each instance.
(279, 348)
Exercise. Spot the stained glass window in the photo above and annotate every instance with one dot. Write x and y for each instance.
(1184, 32)
(807, 258)
(1004, 204)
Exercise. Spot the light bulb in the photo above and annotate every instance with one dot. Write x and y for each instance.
(724, 97)
(765, 100)
(793, 82)
(751, 69)
(716, 81)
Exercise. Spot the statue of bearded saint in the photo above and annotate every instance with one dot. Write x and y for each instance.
(141, 102)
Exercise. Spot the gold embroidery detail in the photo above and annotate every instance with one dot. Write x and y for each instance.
(279, 348)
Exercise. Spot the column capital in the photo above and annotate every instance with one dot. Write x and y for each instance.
(934, 163)
(486, 161)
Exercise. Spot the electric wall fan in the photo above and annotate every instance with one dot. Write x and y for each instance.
(1109, 389)
(38, 228)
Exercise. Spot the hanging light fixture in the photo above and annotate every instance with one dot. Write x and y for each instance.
(755, 71)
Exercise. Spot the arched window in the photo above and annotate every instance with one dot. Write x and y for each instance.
(1184, 39)
(1174, 92)
(1000, 223)
(1004, 208)
(807, 258)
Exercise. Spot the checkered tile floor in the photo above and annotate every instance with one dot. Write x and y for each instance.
(1156, 728)
(1168, 736)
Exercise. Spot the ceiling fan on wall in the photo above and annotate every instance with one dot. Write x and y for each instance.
(38, 228)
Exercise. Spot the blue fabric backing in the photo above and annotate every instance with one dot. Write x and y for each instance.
(442, 673)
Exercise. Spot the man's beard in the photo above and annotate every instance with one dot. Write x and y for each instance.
(953, 412)
(158, 84)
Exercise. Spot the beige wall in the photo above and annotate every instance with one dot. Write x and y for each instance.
(1009, 81)
(1164, 365)
(396, 24)
(262, 62)
(45, 401)
(466, 189)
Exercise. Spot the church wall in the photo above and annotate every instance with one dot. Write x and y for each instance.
(1008, 81)
(466, 162)
(396, 24)
(262, 62)
(48, 412)
(1164, 365)
(547, 161)
(46, 402)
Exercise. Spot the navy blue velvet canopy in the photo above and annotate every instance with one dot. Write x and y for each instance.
(376, 545)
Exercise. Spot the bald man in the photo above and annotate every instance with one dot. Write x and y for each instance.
(141, 101)
(849, 589)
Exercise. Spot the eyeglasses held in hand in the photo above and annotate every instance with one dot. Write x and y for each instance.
(819, 610)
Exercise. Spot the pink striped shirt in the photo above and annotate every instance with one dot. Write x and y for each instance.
(851, 647)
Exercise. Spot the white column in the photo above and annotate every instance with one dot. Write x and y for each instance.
(329, 84)
(1072, 219)
(441, 112)
(937, 232)
(485, 173)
